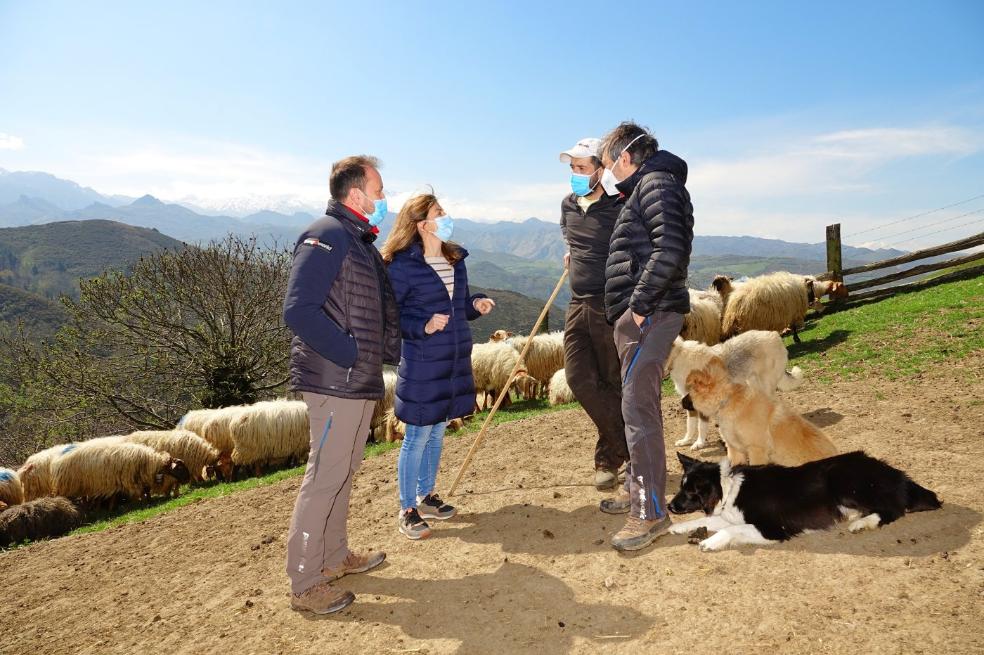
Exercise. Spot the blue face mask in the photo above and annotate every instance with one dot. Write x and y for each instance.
(581, 184)
(379, 213)
(445, 227)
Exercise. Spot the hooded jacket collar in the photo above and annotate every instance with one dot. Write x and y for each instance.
(663, 161)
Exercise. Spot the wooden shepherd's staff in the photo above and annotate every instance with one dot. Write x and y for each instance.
(505, 389)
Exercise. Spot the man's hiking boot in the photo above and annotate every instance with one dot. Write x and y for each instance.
(605, 479)
(354, 563)
(639, 533)
(432, 507)
(412, 526)
(322, 598)
(617, 504)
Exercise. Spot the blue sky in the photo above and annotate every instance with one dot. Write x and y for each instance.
(791, 115)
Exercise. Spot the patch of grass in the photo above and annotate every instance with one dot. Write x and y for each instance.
(897, 337)
(104, 519)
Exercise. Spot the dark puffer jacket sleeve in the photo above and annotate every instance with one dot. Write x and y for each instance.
(470, 312)
(663, 206)
(317, 261)
(412, 322)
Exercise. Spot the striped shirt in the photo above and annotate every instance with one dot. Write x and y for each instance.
(444, 271)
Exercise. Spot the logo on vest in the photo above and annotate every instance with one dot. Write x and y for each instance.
(316, 242)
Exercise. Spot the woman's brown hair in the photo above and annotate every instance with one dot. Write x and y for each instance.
(404, 232)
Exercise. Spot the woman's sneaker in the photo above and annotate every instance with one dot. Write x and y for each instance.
(412, 526)
(432, 507)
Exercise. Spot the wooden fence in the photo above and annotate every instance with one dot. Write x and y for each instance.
(836, 272)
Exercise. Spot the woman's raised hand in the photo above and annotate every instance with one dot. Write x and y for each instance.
(436, 323)
(484, 305)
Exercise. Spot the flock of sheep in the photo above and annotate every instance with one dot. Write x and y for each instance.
(42, 498)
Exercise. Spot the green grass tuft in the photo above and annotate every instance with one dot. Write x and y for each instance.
(896, 337)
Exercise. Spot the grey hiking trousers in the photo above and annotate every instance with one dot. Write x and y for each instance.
(643, 352)
(317, 538)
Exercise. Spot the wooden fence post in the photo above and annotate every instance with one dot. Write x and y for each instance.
(834, 266)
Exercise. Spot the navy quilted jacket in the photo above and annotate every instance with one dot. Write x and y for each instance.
(650, 248)
(434, 381)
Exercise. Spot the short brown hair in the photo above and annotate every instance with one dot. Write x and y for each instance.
(350, 173)
(626, 133)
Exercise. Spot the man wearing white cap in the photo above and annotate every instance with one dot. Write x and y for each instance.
(587, 217)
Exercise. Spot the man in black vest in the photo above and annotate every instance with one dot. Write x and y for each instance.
(587, 217)
(343, 313)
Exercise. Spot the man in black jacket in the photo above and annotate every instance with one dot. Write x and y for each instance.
(591, 364)
(343, 313)
(646, 297)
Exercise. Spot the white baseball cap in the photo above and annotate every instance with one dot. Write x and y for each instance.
(584, 148)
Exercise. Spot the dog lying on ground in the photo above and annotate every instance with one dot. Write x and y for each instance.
(756, 428)
(772, 503)
(757, 358)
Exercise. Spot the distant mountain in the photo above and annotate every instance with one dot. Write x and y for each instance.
(64, 194)
(49, 259)
(524, 256)
(758, 247)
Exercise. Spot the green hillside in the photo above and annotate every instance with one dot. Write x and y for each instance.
(513, 312)
(41, 317)
(49, 259)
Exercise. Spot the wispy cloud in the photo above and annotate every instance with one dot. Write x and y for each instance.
(10, 142)
(836, 161)
(817, 177)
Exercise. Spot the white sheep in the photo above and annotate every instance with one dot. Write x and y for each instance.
(545, 355)
(769, 302)
(817, 289)
(212, 425)
(199, 456)
(270, 431)
(11, 489)
(393, 428)
(559, 391)
(526, 387)
(35, 473)
(500, 335)
(491, 365)
(703, 323)
(100, 469)
(387, 401)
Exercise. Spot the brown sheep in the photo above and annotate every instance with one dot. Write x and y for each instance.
(38, 519)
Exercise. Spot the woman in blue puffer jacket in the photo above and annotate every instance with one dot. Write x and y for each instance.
(434, 383)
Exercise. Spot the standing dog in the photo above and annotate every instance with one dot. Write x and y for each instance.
(768, 504)
(757, 358)
(756, 429)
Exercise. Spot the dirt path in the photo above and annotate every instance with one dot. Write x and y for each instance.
(527, 568)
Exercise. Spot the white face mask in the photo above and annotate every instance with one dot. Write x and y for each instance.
(608, 179)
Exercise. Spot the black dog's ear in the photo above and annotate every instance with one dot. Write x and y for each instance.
(687, 403)
(687, 462)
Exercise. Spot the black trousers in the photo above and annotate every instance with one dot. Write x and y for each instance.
(592, 367)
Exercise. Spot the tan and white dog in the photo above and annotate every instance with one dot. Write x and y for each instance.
(757, 357)
(756, 428)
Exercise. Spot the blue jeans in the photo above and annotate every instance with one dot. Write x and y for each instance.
(420, 456)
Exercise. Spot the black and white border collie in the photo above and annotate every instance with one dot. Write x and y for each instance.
(771, 503)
